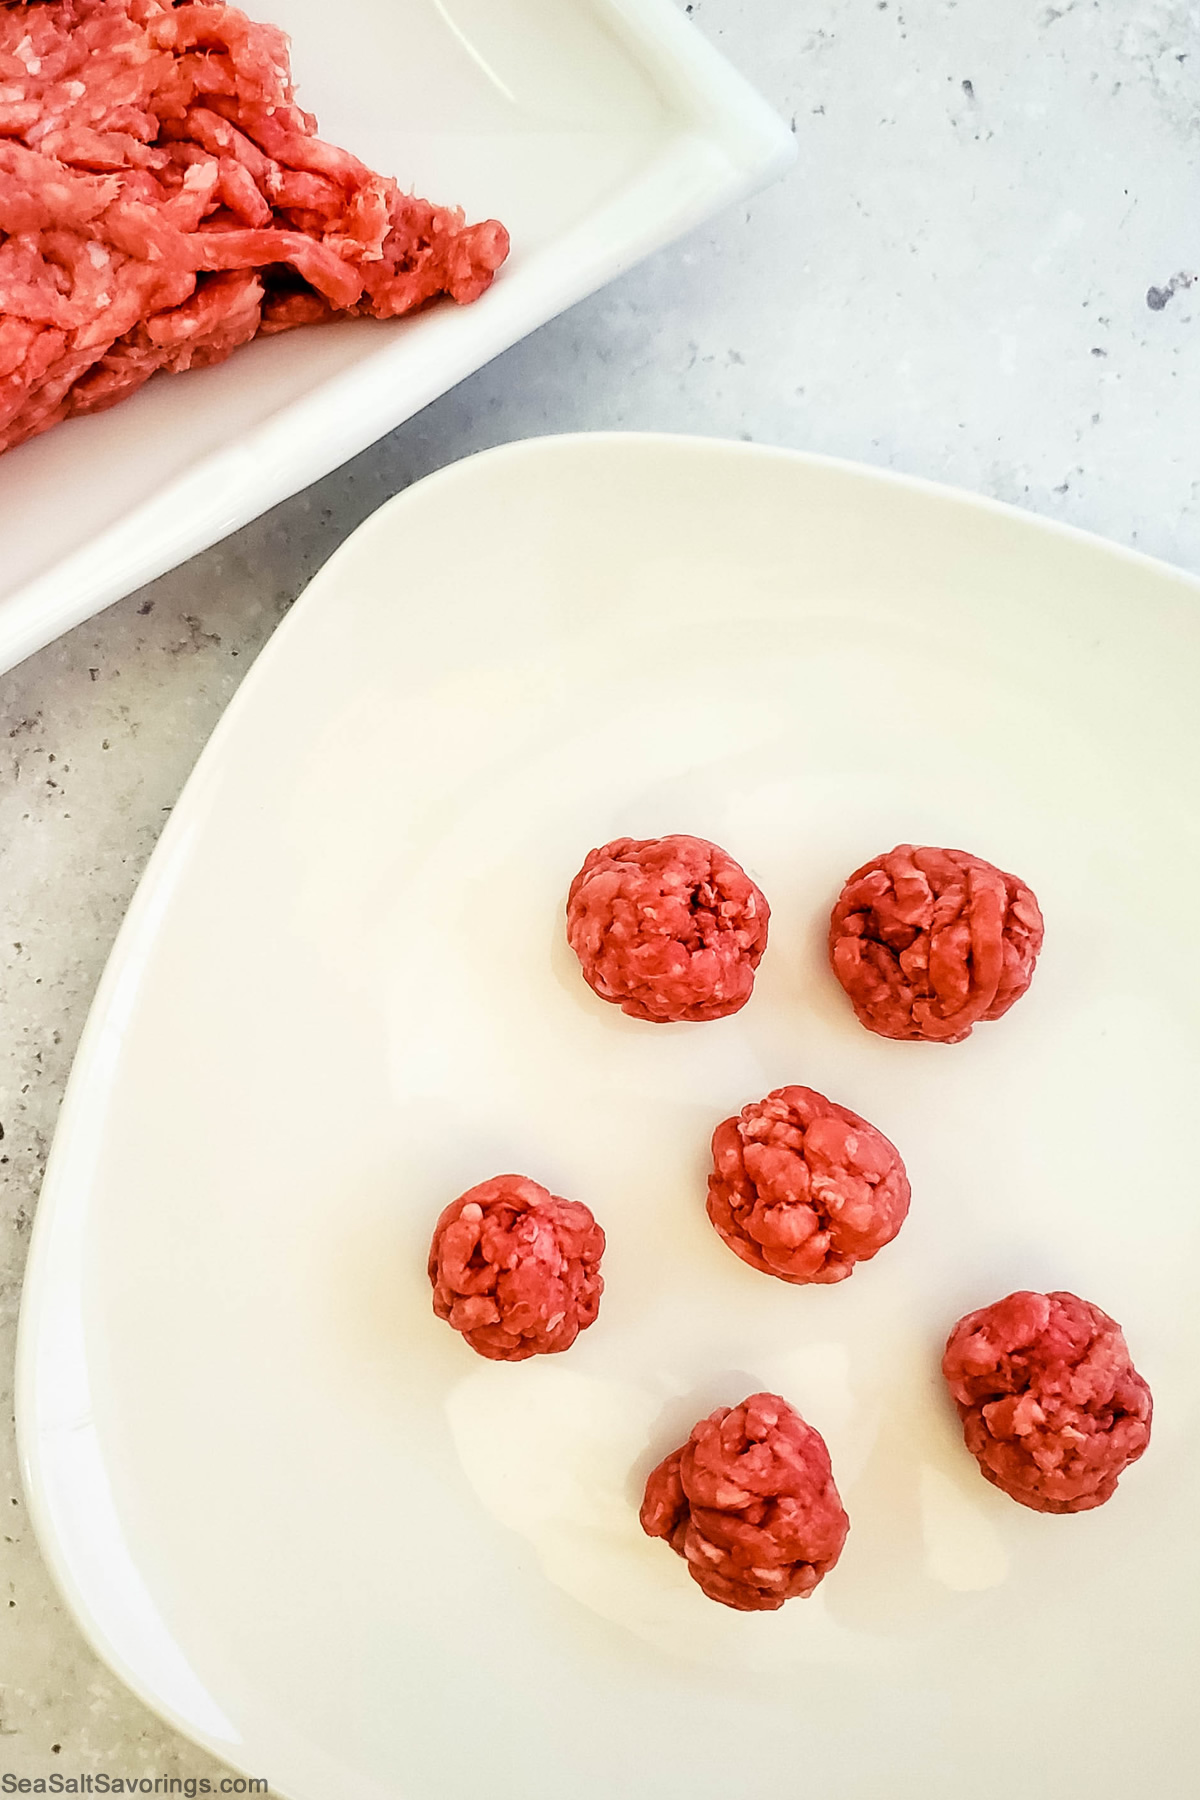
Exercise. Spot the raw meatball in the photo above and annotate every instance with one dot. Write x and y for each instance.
(1051, 1405)
(516, 1269)
(667, 928)
(928, 942)
(803, 1188)
(750, 1501)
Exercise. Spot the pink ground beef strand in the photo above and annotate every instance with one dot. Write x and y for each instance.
(163, 200)
(516, 1269)
(1052, 1407)
(928, 942)
(750, 1502)
(668, 929)
(804, 1189)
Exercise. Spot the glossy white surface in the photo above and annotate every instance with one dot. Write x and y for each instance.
(597, 130)
(342, 995)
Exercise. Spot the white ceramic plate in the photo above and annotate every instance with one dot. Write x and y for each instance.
(293, 1510)
(598, 130)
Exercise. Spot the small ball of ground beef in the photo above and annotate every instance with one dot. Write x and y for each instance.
(928, 942)
(667, 928)
(516, 1269)
(750, 1502)
(1052, 1407)
(803, 1188)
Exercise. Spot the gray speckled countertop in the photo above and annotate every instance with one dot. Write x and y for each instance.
(980, 271)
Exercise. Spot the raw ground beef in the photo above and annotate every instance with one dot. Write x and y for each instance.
(516, 1269)
(668, 928)
(163, 200)
(750, 1502)
(928, 942)
(803, 1188)
(1052, 1407)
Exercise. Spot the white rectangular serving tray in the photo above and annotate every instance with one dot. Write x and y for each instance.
(597, 130)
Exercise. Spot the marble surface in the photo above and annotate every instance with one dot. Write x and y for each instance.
(980, 271)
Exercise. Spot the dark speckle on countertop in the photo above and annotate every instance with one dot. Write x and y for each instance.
(1157, 297)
